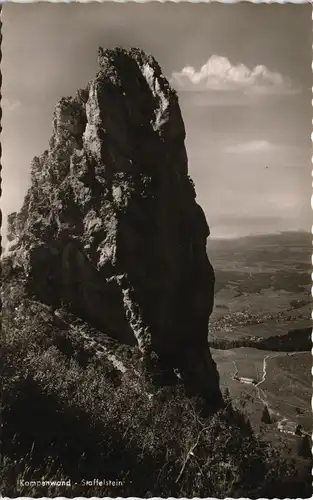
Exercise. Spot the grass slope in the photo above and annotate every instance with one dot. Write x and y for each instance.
(67, 415)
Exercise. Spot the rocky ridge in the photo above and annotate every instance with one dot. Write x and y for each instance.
(110, 229)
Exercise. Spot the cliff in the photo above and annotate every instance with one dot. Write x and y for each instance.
(110, 231)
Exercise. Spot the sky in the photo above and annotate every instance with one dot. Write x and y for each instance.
(243, 76)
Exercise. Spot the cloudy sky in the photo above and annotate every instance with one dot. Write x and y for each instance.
(243, 76)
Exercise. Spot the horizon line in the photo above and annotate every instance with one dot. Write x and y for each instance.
(251, 235)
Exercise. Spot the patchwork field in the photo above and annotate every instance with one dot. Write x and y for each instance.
(263, 289)
(289, 387)
(263, 276)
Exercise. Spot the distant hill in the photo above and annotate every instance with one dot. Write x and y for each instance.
(284, 239)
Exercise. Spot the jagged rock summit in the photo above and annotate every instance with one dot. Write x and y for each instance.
(110, 226)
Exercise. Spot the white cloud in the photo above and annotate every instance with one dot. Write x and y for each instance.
(218, 74)
(251, 147)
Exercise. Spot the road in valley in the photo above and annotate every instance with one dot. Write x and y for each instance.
(282, 420)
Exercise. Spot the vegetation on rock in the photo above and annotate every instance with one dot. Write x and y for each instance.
(69, 415)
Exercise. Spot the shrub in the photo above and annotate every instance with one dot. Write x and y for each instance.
(298, 431)
(64, 419)
(304, 449)
(266, 418)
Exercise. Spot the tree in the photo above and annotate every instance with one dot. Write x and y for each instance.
(298, 431)
(304, 449)
(226, 395)
(266, 416)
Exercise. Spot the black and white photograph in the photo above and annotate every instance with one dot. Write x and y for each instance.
(156, 250)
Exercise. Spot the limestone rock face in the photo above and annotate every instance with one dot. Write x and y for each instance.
(110, 225)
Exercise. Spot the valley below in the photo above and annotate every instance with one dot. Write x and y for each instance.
(260, 331)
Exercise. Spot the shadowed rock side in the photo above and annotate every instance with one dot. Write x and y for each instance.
(110, 225)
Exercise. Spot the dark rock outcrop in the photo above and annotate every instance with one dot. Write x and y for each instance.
(110, 226)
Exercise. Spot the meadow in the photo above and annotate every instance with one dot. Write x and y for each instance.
(263, 289)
